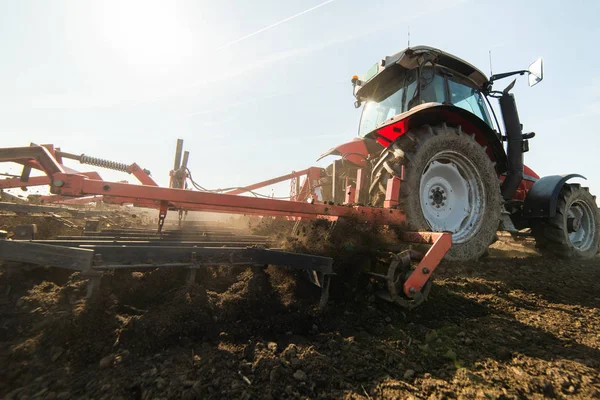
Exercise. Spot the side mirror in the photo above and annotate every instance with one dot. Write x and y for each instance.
(536, 72)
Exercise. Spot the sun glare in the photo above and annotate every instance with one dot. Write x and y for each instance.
(150, 36)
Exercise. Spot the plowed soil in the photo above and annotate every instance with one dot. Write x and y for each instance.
(512, 325)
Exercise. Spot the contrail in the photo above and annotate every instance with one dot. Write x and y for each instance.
(275, 24)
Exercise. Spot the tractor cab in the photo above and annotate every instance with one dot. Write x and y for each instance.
(418, 76)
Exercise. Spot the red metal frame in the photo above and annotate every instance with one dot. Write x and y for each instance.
(361, 183)
(440, 244)
(78, 185)
(311, 175)
(57, 199)
(392, 192)
(350, 195)
(12, 183)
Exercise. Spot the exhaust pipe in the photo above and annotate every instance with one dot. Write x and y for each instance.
(514, 148)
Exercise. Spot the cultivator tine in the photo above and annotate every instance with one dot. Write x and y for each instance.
(322, 280)
(324, 291)
(404, 284)
(26, 173)
(296, 227)
(93, 285)
(332, 226)
(403, 260)
(190, 279)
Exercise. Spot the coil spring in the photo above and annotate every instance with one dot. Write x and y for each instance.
(99, 162)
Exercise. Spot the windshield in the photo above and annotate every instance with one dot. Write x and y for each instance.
(386, 104)
(468, 98)
(402, 95)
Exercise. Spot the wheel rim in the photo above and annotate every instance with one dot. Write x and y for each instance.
(452, 195)
(581, 225)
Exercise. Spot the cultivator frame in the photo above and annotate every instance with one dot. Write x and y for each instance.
(68, 185)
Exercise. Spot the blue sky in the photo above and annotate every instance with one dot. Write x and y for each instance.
(123, 80)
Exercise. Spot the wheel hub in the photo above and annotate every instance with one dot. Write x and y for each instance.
(437, 197)
(452, 195)
(581, 225)
(573, 224)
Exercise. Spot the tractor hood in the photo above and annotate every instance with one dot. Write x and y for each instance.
(389, 67)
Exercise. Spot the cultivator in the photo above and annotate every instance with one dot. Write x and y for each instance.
(200, 246)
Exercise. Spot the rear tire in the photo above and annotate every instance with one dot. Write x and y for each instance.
(574, 232)
(450, 184)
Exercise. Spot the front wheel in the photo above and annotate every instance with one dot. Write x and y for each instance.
(450, 185)
(574, 232)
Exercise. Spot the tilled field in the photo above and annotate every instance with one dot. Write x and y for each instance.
(512, 325)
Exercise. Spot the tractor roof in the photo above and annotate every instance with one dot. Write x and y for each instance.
(409, 59)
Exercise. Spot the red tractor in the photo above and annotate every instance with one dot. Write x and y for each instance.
(427, 119)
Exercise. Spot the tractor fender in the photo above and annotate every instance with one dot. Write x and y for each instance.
(356, 151)
(436, 114)
(542, 197)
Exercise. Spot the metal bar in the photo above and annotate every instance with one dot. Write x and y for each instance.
(417, 279)
(70, 156)
(175, 233)
(269, 182)
(31, 208)
(156, 242)
(25, 173)
(43, 157)
(141, 175)
(192, 206)
(178, 151)
(335, 182)
(350, 196)
(56, 199)
(361, 182)
(392, 192)
(184, 162)
(157, 255)
(191, 228)
(18, 182)
(217, 241)
(307, 188)
(77, 185)
(43, 254)
(144, 266)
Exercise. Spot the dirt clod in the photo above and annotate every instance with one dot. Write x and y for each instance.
(106, 362)
(300, 375)
(272, 346)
